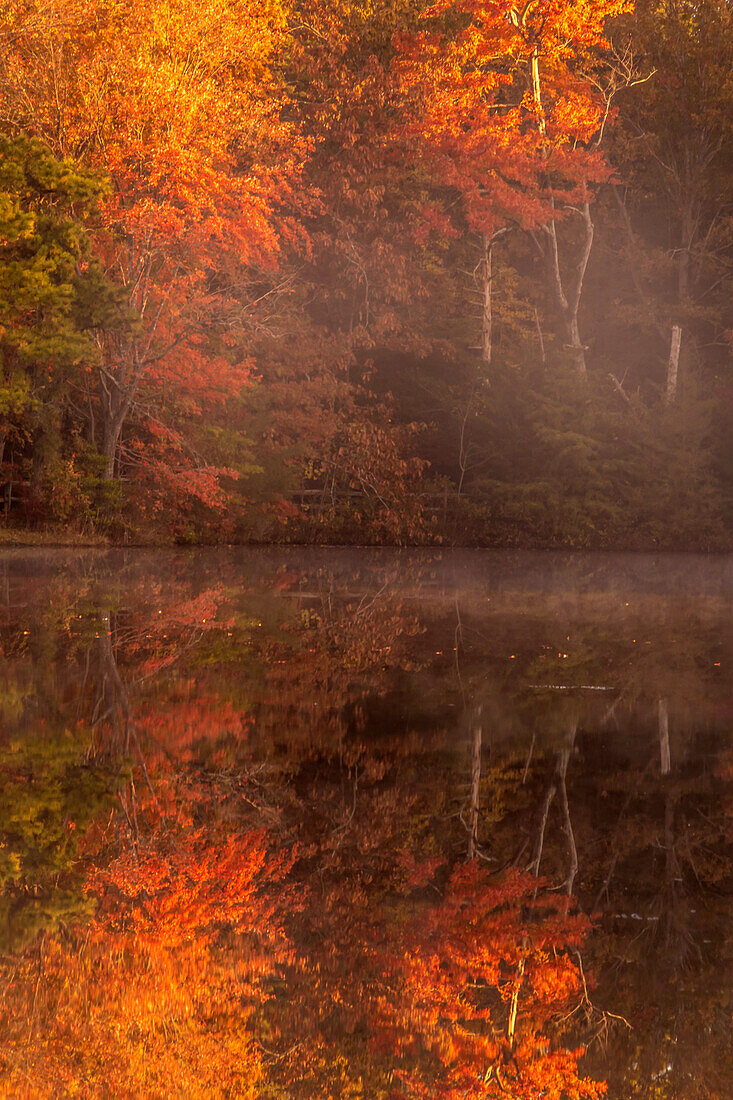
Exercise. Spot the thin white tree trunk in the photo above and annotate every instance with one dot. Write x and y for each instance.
(567, 301)
(486, 311)
(673, 363)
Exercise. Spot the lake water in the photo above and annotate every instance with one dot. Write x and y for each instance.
(319, 823)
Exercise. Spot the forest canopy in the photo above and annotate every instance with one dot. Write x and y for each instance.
(379, 271)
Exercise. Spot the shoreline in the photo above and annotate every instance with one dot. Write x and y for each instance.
(55, 540)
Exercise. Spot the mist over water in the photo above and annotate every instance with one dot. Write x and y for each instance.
(251, 797)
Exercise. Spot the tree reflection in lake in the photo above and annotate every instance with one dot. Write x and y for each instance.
(312, 825)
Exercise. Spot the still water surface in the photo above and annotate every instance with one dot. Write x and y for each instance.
(291, 823)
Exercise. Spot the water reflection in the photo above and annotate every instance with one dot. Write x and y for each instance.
(312, 825)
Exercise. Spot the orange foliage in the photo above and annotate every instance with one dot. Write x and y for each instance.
(160, 994)
(476, 984)
(507, 106)
(177, 103)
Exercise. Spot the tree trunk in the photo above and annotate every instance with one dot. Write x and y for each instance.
(486, 315)
(38, 462)
(665, 756)
(111, 717)
(476, 741)
(556, 784)
(540, 338)
(673, 364)
(117, 388)
(115, 406)
(110, 439)
(567, 302)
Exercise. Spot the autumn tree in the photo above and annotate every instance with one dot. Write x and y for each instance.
(510, 105)
(53, 299)
(180, 107)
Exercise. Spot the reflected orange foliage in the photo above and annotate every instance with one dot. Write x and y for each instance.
(475, 987)
(162, 989)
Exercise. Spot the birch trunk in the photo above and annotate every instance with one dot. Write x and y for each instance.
(673, 364)
(486, 314)
(567, 294)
